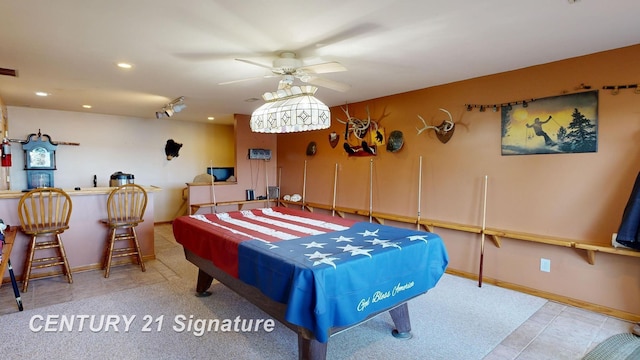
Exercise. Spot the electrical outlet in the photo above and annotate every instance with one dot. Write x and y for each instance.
(545, 265)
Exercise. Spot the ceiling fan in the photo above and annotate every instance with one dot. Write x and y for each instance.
(290, 67)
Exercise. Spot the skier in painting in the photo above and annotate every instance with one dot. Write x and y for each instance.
(537, 128)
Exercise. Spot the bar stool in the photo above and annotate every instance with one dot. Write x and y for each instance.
(125, 210)
(44, 215)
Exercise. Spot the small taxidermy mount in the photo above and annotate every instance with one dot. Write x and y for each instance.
(334, 138)
(444, 131)
(312, 148)
(172, 149)
(395, 142)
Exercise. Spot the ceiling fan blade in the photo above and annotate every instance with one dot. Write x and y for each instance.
(323, 68)
(329, 84)
(255, 63)
(247, 79)
(342, 36)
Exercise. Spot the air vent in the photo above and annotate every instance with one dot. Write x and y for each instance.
(8, 72)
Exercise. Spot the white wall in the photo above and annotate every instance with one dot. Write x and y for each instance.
(113, 143)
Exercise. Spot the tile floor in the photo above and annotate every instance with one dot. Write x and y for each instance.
(556, 331)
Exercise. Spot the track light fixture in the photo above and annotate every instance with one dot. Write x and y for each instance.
(175, 106)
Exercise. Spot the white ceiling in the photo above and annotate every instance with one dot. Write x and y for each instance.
(69, 48)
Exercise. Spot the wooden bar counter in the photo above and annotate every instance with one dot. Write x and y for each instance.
(86, 238)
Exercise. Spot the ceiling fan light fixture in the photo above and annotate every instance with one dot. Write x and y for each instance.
(291, 110)
(290, 68)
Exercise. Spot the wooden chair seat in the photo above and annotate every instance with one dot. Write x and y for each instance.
(45, 229)
(44, 214)
(122, 222)
(126, 205)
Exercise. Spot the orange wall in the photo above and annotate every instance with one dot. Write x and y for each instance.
(250, 174)
(224, 146)
(574, 196)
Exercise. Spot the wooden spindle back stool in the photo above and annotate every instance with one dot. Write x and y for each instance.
(44, 214)
(126, 205)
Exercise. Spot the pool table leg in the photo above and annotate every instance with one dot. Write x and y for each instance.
(400, 316)
(204, 282)
(311, 349)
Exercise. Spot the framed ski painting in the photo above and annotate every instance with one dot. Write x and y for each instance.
(553, 125)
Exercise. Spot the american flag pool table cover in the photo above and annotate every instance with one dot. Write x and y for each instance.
(330, 271)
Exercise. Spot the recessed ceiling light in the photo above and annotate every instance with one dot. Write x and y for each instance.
(42, 93)
(210, 118)
(125, 65)
(87, 106)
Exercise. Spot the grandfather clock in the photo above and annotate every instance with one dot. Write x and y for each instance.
(39, 160)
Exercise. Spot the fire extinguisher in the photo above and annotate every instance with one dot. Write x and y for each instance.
(6, 153)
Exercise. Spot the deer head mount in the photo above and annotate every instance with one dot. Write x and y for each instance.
(444, 131)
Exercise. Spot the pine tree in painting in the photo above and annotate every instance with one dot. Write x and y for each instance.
(581, 135)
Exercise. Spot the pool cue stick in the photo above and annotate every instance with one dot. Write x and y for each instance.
(213, 191)
(370, 190)
(279, 184)
(484, 219)
(14, 284)
(419, 192)
(304, 184)
(266, 181)
(335, 183)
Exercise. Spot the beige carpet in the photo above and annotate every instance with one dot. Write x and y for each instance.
(455, 320)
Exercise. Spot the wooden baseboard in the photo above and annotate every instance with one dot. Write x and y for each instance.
(549, 296)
